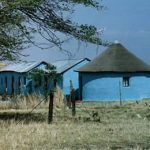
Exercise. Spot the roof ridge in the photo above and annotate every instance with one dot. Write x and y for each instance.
(71, 59)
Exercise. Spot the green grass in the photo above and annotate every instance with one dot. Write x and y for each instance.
(114, 127)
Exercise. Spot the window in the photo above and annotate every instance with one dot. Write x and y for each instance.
(126, 82)
(6, 88)
(55, 82)
(24, 80)
(19, 84)
(1, 80)
(12, 84)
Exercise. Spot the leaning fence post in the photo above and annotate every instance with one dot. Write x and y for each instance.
(50, 111)
(73, 102)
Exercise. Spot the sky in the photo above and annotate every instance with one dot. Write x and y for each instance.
(126, 21)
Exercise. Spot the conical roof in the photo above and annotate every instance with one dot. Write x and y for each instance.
(116, 59)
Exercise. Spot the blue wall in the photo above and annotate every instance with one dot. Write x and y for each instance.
(109, 87)
(73, 76)
(25, 87)
(22, 83)
(12, 83)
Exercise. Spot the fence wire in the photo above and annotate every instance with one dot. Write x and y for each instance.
(33, 109)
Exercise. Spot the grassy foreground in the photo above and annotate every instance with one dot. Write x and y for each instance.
(96, 126)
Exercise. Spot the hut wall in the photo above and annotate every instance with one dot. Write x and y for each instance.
(11, 83)
(18, 83)
(70, 74)
(109, 87)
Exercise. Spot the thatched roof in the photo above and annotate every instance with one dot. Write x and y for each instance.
(116, 59)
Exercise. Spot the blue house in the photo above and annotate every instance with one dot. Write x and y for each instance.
(115, 74)
(17, 79)
(66, 69)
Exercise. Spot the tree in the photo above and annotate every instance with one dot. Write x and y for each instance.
(19, 19)
(44, 76)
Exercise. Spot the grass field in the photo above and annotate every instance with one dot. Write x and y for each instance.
(95, 126)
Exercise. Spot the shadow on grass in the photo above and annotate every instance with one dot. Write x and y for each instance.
(22, 117)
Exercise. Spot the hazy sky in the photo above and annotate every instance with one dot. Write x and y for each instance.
(124, 20)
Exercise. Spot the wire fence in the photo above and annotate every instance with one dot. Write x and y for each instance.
(56, 112)
(33, 109)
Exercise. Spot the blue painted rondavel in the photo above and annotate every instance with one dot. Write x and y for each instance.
(113, 75)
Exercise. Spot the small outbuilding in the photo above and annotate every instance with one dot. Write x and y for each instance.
(17, 78)
(115, 74)
(66, 70)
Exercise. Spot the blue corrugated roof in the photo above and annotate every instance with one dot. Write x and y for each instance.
(63, 65)
(21, 66)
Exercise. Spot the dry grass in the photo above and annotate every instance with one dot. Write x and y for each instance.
(114, 127)
(27, 102)
(21, 102)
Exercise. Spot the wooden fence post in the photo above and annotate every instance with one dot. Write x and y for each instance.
(73, 102)
(51, 103)
(69, 98)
